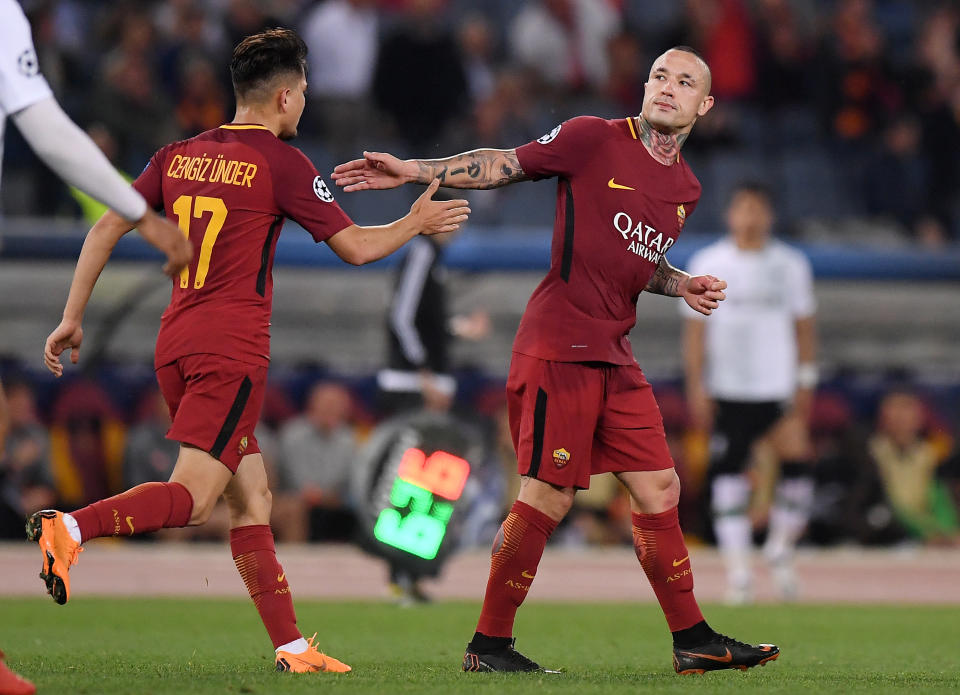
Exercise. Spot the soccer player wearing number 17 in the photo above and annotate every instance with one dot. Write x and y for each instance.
(578, 403)
(230, 189)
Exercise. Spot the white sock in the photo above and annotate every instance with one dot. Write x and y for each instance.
(731, 498)
(73, 527)
(788, 517)
(298, 646)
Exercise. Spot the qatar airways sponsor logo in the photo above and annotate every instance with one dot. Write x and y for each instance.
(644, 240)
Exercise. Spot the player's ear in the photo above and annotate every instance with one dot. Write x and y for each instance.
(283, 99)
(705, 105)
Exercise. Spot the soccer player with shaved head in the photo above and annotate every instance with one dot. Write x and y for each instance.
(230, 190)
(578, 402)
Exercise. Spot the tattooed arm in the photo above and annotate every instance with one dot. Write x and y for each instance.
(667, 280)
(484, 168)
(702, 293)
(474, 169)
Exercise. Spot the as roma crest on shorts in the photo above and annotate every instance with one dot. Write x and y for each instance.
(243, 445)
(681, 215)
(561, 457)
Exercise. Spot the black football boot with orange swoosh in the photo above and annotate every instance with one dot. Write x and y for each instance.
(722, 652)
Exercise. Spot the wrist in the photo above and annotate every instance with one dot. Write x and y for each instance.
(807, 376)
(411, 172)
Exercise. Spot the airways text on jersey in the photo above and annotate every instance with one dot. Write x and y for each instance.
(644, 240)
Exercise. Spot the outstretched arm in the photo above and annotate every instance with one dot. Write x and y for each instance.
(359, 245)
(702, 293)
(485, 168)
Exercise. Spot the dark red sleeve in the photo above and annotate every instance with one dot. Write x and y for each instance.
(304, 197)
(149, 183)
(563, 150)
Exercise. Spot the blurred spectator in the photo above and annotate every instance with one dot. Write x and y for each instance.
(861, 91)
(937, 99)
(187, 36)
(906, 456)
(625, 79)
(564, 42)
(129, 99)
(476, 39)
(245, 17)
(723, 32)
(149, 455)
(25, 483)
(342, 38)
(86, 444)
(203, 103)
(419, 81)
(898, 186)
(316, 454)
(783, 54)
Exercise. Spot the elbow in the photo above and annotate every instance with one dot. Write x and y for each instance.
(359, 256)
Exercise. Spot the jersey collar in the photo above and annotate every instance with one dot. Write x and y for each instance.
(244, 126)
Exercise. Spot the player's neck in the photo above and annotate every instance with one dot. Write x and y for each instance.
(664, 147)
(248, 115)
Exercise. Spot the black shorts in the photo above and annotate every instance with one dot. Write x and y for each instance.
(737, 427)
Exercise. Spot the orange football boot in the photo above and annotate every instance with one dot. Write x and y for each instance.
(12, 684)
(59, 551)
(309, 661)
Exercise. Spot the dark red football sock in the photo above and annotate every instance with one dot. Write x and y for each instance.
(513, 563)
(663, 555)
(141, 509)
(256, 559)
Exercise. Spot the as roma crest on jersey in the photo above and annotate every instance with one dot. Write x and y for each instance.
(561, 457)
(681, 215)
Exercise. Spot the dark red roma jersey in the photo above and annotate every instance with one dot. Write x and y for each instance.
(618, 212)
(230, 190)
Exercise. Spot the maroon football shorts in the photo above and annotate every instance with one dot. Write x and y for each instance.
(215, 404)
(570, 420)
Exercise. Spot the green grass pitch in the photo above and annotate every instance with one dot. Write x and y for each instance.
(156, 646)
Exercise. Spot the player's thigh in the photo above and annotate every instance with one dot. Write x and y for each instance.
(552, 500)
(248, 494)
(629, 435)
(553, 409)
(220, 407)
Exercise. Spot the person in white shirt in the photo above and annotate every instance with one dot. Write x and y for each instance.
(26, 98)
(750, 377)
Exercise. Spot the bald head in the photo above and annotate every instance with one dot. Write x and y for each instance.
(677, 91)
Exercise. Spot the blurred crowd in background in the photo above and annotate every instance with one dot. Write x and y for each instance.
(849, 108)
(887, 471)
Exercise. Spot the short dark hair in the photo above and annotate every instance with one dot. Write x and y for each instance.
(689, 49)
(259, 58)
(756, 188)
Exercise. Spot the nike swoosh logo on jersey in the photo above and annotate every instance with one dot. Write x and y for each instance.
(677, 563)
(618, 186)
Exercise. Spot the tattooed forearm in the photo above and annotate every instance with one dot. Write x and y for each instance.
(667, 280)
(475, 169)
(664, 148)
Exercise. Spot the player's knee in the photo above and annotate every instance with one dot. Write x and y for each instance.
(670, 494)
(202, 509)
